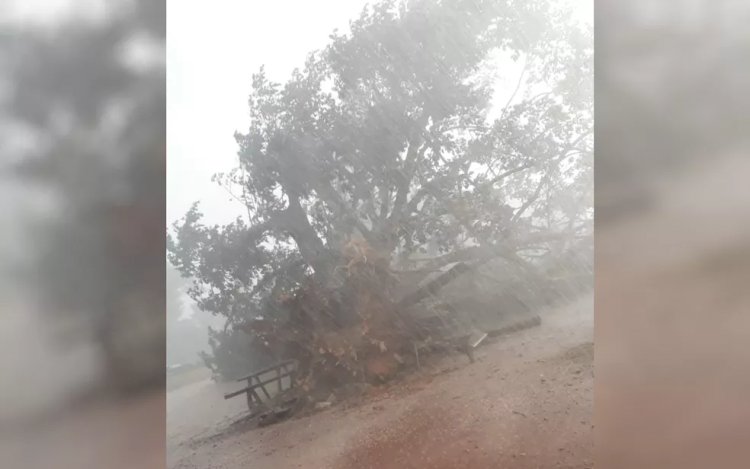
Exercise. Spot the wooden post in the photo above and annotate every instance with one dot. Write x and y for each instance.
(278, 375)
(250, 405)
(263, 387)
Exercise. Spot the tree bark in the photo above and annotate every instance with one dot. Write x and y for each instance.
(294, 220)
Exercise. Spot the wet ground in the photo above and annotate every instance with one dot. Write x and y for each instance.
(526, 403)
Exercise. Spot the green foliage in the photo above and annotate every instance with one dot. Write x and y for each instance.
(387, 134)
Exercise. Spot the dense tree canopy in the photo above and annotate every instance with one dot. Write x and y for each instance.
(391, 134)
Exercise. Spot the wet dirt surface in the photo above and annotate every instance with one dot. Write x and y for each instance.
(526, 403)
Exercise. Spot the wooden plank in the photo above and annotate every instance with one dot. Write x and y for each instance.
(477, 339)
(278, 374)
(251, 403)
(267, 369)
(262, 388)
(252, 387)
(237, 393)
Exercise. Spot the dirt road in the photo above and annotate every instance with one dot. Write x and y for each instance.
(526, 403)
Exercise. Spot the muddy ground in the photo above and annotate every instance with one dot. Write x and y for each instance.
(526, 403)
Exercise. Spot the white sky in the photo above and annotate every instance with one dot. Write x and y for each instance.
(212, 51)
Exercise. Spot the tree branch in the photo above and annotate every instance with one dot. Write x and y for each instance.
(413, 155)
(328, 193)
(481, 254)
(510, 172)
(385, 199)
(423, 191)
(257, 230)
(531, 200)
(518, 86)
(281, 270)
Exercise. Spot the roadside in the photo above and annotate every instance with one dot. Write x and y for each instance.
(526, 402)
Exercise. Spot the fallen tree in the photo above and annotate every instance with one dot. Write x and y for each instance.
(380, 151)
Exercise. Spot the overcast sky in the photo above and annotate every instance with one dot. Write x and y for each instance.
(212, 51)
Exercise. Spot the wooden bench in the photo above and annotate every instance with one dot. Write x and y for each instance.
(280, 373)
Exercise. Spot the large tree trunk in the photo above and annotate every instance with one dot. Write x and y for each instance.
(311, 247)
